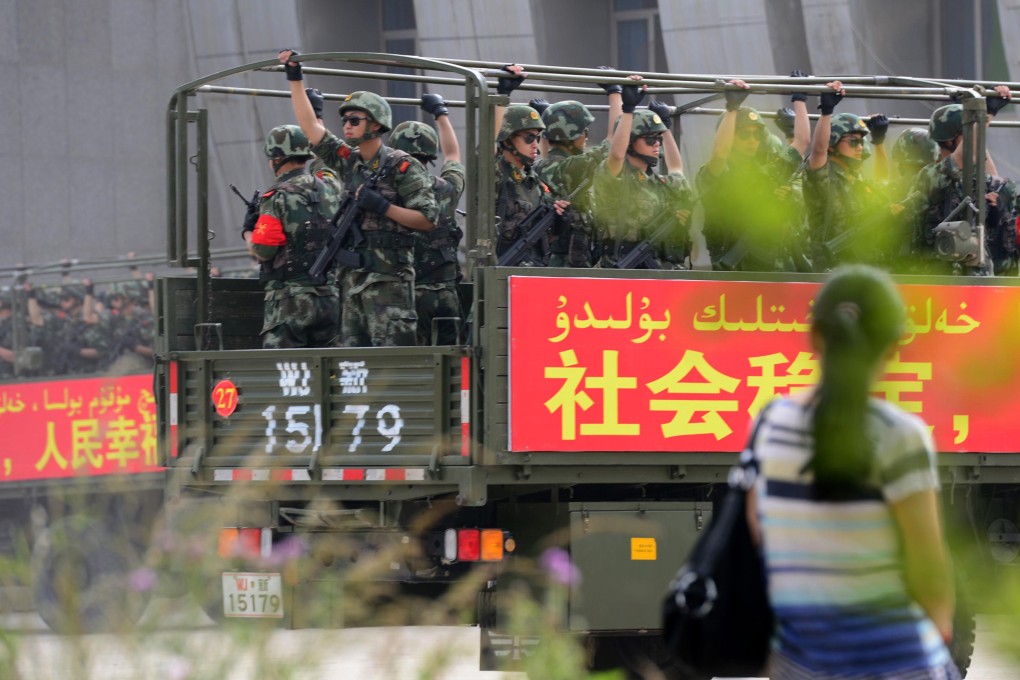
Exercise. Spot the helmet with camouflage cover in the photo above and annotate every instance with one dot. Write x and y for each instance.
(646, 122)
(131, 290)
(946, 123)
(566, 120)
(417, 139)
(914, 147)
(372, 104)
(517, 118)
(846, 124)
(287, 141)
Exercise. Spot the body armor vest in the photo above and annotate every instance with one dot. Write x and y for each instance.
(296, 257)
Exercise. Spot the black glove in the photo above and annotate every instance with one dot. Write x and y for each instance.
(827, 102)
(878, 125)
(798, 96)
(251, 215)
(434, 104)
(734, 98)
(316, 99)
(293, 69)
(90, 289)
(372, 201)
(995, 103)
(785, 118)
(632, 96)
(610, 88)
(507, 84)
(30, 292)
(539, 105)
(661, 109)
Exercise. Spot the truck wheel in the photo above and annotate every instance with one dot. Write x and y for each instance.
(82, 578)
(964, 634)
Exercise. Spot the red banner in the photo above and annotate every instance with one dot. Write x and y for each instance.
(77, 428)
(677, 365)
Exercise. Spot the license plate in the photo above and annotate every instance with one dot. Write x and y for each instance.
(248, 595)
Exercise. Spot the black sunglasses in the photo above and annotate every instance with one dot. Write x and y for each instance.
(748, 133)
(529, 137)
(855, 142)
(354, 121)
(652, 140)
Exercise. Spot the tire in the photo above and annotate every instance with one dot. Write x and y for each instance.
(82, 578)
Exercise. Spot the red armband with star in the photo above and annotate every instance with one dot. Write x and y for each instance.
(268, 232)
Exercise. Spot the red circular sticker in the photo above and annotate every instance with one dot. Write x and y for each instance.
(224, 397)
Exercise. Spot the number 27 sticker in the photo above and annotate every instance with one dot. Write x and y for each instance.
(224, 397)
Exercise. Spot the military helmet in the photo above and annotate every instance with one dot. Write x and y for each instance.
(846, 124)
(417, 139)
(372, 104)
(128, 289)
(915, 147)
(646, 122)
(516, 118)
(566, 120)
(287, 141)
(946, 122)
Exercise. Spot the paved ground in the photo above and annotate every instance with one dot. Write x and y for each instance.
(188, 647)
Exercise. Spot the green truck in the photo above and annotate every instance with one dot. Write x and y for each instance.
(592, 413)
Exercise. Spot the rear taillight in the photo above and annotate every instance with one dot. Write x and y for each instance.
(247, 543)
(476, 545)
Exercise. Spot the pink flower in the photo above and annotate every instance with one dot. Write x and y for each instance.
(557, 562)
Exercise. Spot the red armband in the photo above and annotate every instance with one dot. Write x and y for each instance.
(268, 232)
(403, 166)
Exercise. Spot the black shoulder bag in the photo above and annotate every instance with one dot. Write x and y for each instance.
(716, 616)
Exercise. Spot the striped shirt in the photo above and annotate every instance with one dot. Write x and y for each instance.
(835, 578)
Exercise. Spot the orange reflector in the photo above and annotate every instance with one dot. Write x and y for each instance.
(227, 545)
(492, 545)
(468, 545)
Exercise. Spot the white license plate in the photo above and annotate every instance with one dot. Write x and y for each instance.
(249, 595)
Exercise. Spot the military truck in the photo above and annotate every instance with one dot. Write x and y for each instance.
(594, 411)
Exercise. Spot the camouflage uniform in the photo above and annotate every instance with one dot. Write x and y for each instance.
(519, 190)
(839, 198)
(436, 268)
(300, 310)
(741, 205)
(628, 205)
(437, 271)
(936, 192)
(129, 326)
(6, 333)
(71, 334)
(563, 169)
(378, 297)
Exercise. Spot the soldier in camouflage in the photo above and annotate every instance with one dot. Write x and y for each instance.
(519, 189)
(751, 192)
(631, 198)
(300, 309)
(6, 334)
(436, 267)
(80, 341)
(568, 163)
(938, 189)
(839, 200)
(131, 329)
(393, 191)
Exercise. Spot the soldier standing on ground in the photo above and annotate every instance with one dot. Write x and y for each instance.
(436, 268)
(291, 230)
(630, 195)
(393, 191)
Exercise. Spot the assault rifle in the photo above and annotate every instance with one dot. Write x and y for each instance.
(535, 224)
(642, 255)
(343, 228)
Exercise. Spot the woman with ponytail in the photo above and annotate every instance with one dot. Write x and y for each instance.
(846, 507)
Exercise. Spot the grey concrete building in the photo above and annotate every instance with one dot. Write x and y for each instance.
(85, 84)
